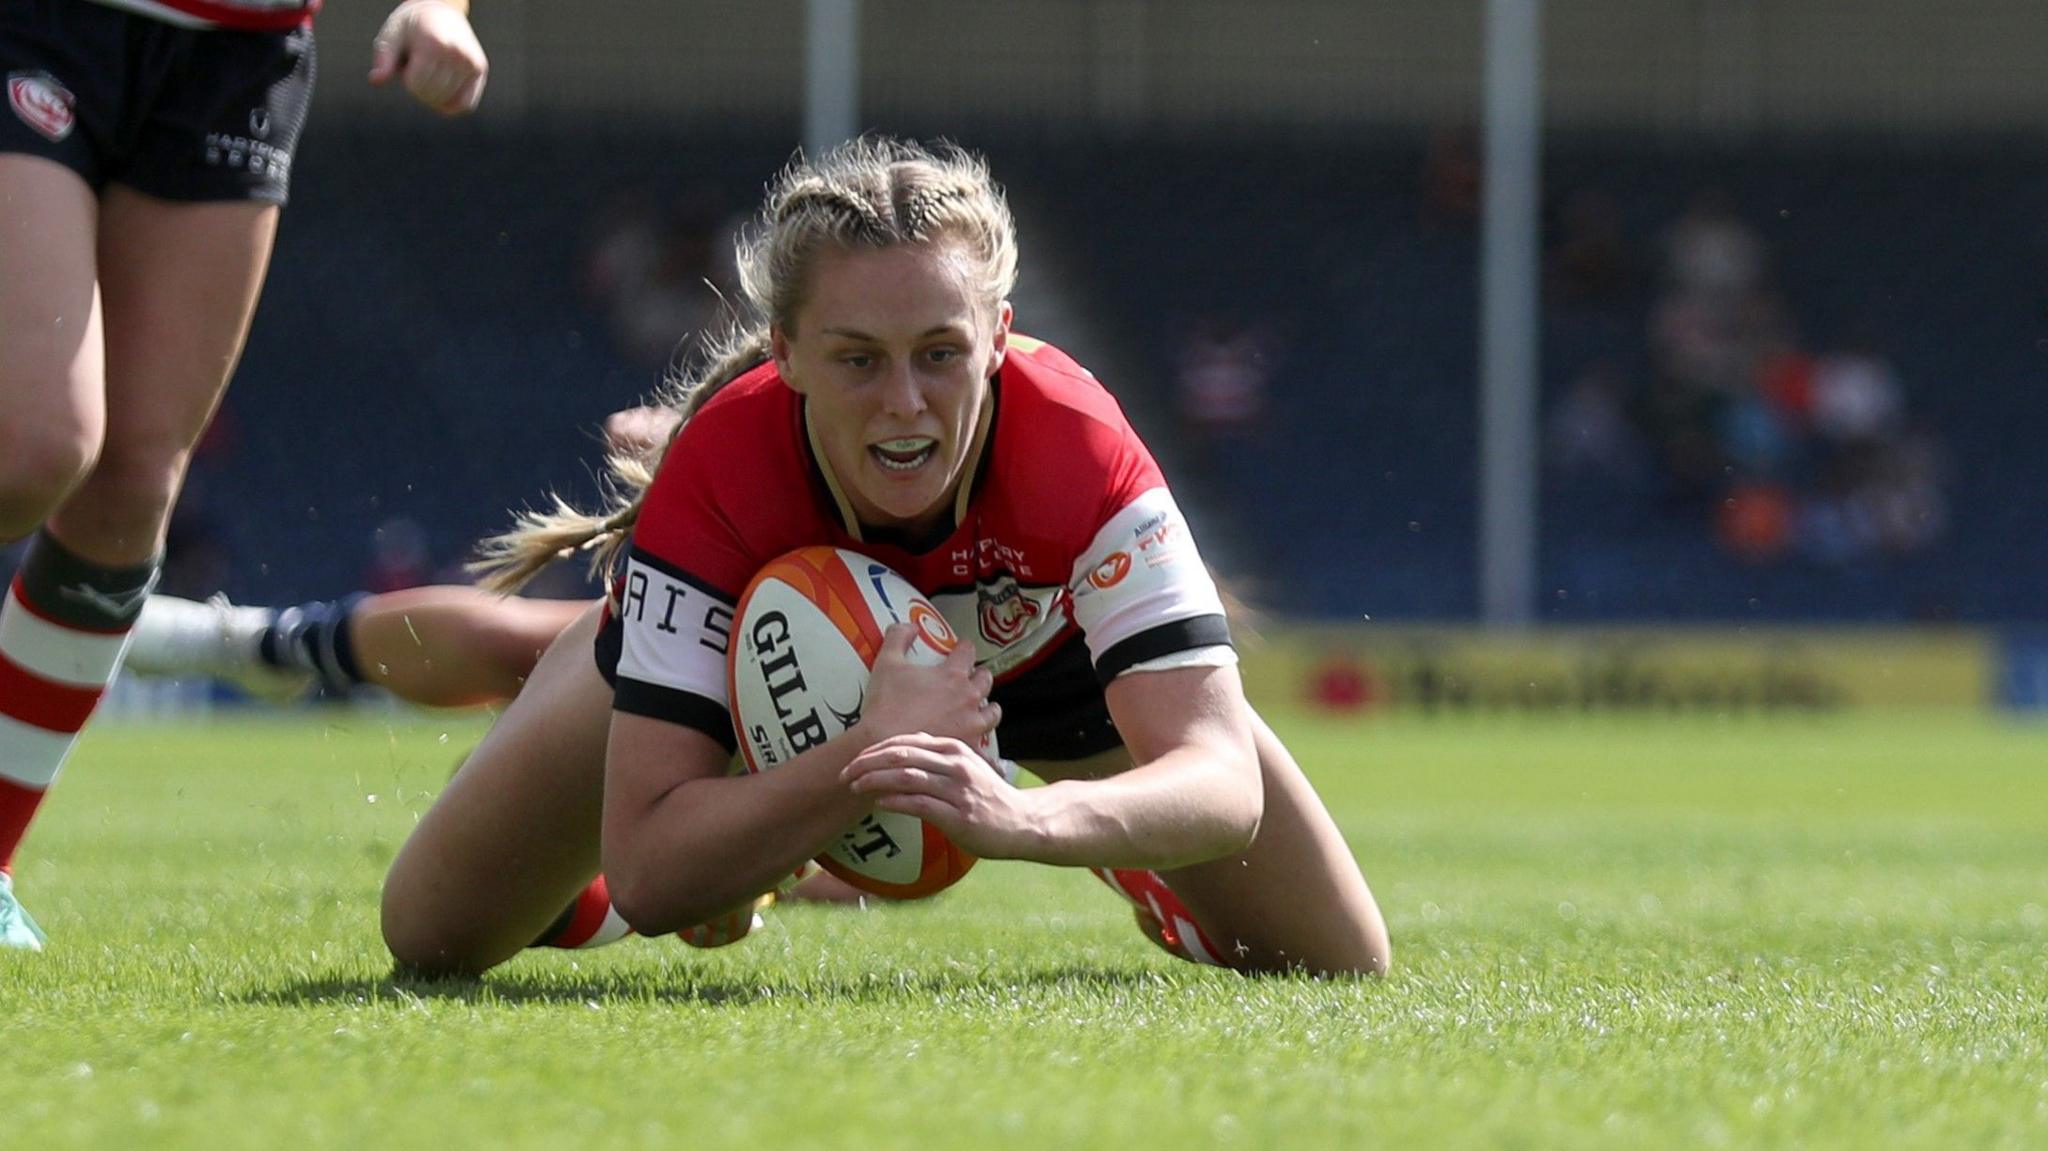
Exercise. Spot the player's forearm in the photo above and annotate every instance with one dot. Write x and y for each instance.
(1185, 807)
(711, 844)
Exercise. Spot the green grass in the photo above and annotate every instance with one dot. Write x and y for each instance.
(1764, 933)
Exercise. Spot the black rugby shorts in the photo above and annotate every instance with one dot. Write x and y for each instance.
(178, 113)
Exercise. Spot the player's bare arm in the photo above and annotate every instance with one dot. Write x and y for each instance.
(1194, 794)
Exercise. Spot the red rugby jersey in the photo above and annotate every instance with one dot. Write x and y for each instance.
(1067, 530)
(240, 15)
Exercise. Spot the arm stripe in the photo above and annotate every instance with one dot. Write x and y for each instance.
(672, 705)
(638, 555)
(1167, 638)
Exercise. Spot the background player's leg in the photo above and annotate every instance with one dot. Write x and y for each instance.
(177, 285)
(448, 646)
(455, 646)
(52, 416)
(513, 838)
(52, 372)
(1294, 900)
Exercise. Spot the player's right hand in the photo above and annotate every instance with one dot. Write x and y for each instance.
(946, 699)
(430, 44)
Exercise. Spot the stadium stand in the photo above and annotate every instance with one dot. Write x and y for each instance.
(442, 365)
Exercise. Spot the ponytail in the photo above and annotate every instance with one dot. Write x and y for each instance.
(508, 561)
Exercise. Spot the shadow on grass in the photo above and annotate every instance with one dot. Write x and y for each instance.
(668, 987)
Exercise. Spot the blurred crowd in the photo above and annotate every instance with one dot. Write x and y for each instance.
(1780, 448)
(659, 268)
(1686, 390)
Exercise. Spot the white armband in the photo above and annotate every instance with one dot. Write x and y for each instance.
(1214, 655)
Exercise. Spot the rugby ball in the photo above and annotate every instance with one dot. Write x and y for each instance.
(807, 630)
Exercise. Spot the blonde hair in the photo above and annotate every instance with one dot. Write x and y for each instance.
(874, 192)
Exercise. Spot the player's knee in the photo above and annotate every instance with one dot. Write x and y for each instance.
(1363, 952)
(635, 904)
(427, 953)
(1357, 946)
(39, 466)
(420, 943)
(404, 937)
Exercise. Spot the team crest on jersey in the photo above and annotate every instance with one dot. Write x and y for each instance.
(1006, 613)
(43, 104)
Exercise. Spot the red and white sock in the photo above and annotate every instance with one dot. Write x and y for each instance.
(63, 626)
(1162, 916)
(591, 921)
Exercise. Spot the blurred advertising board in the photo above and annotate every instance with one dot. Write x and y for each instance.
(2025, 683)
(1624, 669)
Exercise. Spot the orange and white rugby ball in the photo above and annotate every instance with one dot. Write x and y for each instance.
(805, 634)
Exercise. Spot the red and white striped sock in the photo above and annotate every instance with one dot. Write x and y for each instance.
(590, 921)
(63, 626)
(1162, 916)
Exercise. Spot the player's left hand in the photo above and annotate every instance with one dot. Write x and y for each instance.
(431, 45)
(949, 785)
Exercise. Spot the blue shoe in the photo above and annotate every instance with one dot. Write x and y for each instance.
(17, 931)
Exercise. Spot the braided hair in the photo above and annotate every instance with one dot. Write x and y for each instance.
(874, 192)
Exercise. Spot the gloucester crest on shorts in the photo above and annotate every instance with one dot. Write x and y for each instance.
(43, 104)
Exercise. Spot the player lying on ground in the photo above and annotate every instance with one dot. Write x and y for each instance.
(883, 405)
(145, 154)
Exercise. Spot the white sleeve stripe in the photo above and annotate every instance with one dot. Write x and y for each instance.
(1215, 655)
(674, 634)
(1141, 572)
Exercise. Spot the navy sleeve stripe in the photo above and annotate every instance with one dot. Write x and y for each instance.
(611, 644)
(1166, 639)
(673, 572)
(672, 705)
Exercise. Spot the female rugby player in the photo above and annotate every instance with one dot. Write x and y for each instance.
(883, 404)
(145, 153)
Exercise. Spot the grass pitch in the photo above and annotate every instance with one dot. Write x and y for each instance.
(1748, 933)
